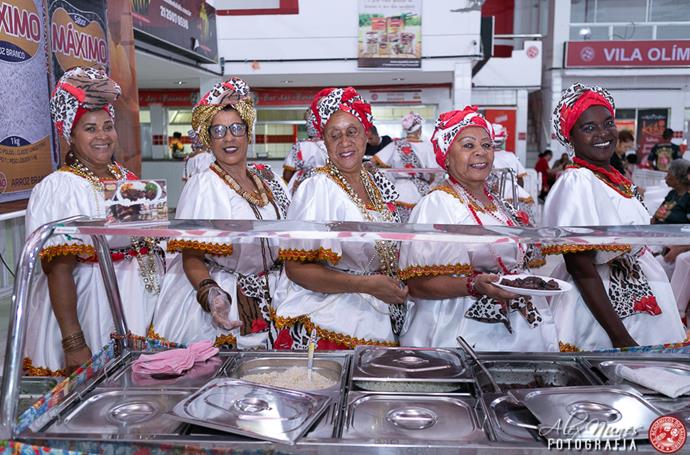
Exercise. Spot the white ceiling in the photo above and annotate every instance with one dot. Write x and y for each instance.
(155, 72)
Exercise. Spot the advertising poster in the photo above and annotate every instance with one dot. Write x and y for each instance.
(651, 124)
(508, 119)
(390, 34)
(26, 151)
(123, 71)
(188, 26)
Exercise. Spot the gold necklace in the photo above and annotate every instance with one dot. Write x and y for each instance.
(78, 168)
(260, 201)
(386, 250)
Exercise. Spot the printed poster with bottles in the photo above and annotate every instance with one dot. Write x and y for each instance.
(390, 34)
(130, 201)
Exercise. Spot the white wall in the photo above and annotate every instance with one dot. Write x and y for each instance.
(327, 29)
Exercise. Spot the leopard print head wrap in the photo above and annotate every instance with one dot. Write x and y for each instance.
(342, 99)
(412, 122)
(574, 101)
(448, 127)
(80, 90)
(233, 92)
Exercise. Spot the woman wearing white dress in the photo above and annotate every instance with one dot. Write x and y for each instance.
(306, 154)
(68, 301)
(347, 291)
(621, 296)
(217, 289)
(410, 152)
(451, 283)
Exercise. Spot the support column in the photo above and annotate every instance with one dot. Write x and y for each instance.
(521, 127)
(159, 132)
(462, 84)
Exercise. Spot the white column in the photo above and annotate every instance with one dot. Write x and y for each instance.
(521, 120)
(462, 84)
(159, 132)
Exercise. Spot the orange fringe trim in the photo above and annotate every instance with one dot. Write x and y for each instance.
(560, 249)
(434, 270)
(220, 340)
(379, 163)
(84, 251)
(536, 263)
(31, 370)
(406, 205)
(322, 254)
(215, 249)
(345, 340)
(567, 347)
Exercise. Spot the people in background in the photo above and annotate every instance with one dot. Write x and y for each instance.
(349, 293)
(306, 155)
(542, 167)
(626, 143)
(177, 146)
(70, 316)
(559, 166)
(451, 284)
(220, 288)
(505, 159)
(375, 142)
(664, 152)
(675, 209)
(621, 295)
(413, 153)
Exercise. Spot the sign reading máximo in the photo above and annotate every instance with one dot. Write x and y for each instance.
(617, 54)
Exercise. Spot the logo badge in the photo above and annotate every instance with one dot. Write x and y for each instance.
(587, 54)
(667, 434)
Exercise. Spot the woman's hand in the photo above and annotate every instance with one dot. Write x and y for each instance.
(483, 286)
(384, 288)
(623, 342)
(75, 359)
(673, 252)
(219, 305)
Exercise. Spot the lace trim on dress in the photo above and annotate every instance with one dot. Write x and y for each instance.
(215, 249)
(415, 271)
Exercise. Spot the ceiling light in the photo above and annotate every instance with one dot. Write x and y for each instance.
(398, 79)
(181, 82)
(286, 81)
(585, 31)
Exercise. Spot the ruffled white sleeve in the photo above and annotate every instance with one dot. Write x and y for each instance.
(61, 195)
(203, 198)
(290, 163)
(576, 200)
(436, 258)
(316, 199)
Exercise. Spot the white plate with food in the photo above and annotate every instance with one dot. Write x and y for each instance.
(133, 191)
(535, 285)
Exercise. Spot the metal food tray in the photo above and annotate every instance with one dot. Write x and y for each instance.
(395, 419)
(589, 413)
(509, 420)
(424, 365)
(527, 373)
(248, 409)
(195, 377)
(122, 412)
(333, 366)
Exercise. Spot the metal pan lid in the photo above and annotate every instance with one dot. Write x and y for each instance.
(407, 363)
(589, 413)
(253, 410)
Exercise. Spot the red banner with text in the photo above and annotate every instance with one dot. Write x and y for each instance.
(585, 54)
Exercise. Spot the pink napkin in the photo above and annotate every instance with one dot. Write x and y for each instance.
(174, 361)
(200, 371)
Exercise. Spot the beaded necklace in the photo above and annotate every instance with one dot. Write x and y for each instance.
(78, 168)
(496, 209)
(614, 179)
(387, 251)
(260, 201)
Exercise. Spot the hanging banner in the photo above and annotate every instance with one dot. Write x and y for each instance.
(188, 26)
(390, 34)
(651, 124)
(26, 151)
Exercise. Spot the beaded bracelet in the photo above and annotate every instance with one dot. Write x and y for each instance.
(470, 282)
(202, 293)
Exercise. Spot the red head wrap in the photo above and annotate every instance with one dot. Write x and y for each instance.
(342, 99)
(448, 127)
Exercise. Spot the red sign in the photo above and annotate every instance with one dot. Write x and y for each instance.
(508, 119)
(285, 97)
(584, 54)
(170, 98)
(667, 434)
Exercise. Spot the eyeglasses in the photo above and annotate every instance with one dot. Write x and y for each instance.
(337, 135)
(219, 131)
